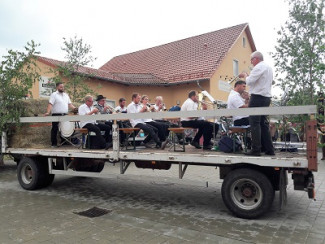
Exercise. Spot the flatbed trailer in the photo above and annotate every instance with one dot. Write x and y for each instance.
(249, 183)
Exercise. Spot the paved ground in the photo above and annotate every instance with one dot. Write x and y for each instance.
(150, 209)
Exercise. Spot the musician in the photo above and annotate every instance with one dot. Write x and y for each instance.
(235, 100)
(101, 105)
(176, 107)
(121, 108)
(102, 109)
(134, 107)
(159, 107)
(88, 109)
(161, 127)
(260, 83)
(239, 98)
(159, 104)
(59, 104)
(204, 127)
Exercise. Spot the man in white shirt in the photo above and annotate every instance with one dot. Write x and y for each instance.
(59, 104)
(235, 100)
(260, 84)
(88, 109)
(121, 108)
(205, 128)
(134, 107)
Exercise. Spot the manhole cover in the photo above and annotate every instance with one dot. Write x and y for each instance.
(94, 212)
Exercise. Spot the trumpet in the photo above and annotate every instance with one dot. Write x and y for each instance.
(206, 102)
(148, 107)
(111, 109)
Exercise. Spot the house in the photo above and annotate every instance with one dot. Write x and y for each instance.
(173, 69)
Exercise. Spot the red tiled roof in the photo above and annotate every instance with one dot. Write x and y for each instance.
(124, 78)
(81, 69)
(189, 59)
(137, 78)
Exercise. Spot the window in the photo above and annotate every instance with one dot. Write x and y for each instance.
(235, 67)
(110, 103)
(244, 42)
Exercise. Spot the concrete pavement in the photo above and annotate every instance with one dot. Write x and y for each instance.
(150, 207)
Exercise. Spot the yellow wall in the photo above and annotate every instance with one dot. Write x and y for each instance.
(238, 52)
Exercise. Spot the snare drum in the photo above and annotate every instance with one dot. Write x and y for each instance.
(66, 128)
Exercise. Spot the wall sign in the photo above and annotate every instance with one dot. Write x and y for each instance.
(46, 87)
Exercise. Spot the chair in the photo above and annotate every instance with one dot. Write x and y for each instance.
(70, 130)
(128, 132)
(175, 140)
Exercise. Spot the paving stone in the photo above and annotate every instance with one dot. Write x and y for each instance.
(154, 208)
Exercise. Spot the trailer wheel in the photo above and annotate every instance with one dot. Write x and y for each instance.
(247, 193)
(29, 174)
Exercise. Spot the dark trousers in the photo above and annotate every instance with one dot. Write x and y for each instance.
(100, 141)
(54, 131)
(205, 129)
(242, 121)
(150, 130)
(260, 128)
(162, 129)
(107, 127)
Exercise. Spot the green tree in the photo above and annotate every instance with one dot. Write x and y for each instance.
(77, 55)
(300, 52)
(18, 72)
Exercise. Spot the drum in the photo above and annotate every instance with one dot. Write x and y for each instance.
(66, 128)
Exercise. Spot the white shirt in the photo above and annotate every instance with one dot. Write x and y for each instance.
(235, 101)
(146, 120)
(260, 80)
(156, 107)
(189, 105)
(134, 108)
(60, 102)
(84, 110)
(120, 109)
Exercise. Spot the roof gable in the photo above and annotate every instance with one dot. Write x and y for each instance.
(189, 59)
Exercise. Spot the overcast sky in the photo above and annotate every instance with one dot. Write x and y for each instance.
(117, 27)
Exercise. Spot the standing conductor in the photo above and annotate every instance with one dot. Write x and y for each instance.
(260, 84)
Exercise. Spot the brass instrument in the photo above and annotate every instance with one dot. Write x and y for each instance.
(149, 108)
(111, 109)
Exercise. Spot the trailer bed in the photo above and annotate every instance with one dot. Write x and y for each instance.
(190, 156)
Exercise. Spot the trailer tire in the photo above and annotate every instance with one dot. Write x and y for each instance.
(29, 173)
(247, 193)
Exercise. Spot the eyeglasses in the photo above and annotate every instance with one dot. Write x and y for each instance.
(252, 58)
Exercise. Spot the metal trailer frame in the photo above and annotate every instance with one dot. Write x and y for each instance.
(301, 167)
